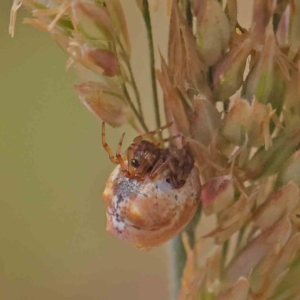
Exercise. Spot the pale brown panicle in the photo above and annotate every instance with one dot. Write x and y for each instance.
(231, 90)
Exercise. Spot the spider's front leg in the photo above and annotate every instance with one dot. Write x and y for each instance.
(160, 166)
(119, 156)
(150, 134)
(130, 168)
(112, 158)
(116, 159)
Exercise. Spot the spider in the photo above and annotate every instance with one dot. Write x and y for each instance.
(148, 157)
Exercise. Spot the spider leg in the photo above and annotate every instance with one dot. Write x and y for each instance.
(180, 167)
(130, 168)
(161, 142)
(112, 158)
(174, 182)
(145, 165)
(150, 134)
(174, 176)
(159, 166)
(188, 166)
(182, 157)
(119, 156)
(172, 166)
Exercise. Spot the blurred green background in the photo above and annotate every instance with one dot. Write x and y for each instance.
(53, 171)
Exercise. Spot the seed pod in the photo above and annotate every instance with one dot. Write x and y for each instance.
(150, 212)
(213, 32)
(104, 59)
(94, 21)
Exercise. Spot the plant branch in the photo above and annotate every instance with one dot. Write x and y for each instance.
(132, 79)
(139, 117)
(135, 88)
(188, 14)
(178, 254)
(239, 239)
(147, 19)
(224, 255)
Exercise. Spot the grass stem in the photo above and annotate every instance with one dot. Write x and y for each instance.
(139, 117)
(147, 20)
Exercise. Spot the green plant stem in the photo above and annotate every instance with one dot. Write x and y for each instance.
(239, 239)
(136, 90)
(147, 20)
(132, 79)
(188, 13)
(186, 9)
(178, 254)
(224, 255)
(139, 117)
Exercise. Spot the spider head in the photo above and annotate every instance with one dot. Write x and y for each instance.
(144, 155)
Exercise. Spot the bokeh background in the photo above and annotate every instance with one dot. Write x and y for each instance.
(53, 243)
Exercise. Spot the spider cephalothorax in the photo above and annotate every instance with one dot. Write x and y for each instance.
(147, 157)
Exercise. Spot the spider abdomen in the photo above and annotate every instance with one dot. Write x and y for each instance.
(150, 212)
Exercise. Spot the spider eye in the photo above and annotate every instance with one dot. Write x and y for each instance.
(135, 163)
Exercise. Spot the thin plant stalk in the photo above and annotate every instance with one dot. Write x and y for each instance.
(185, 6)
(239, 239)
(225, 248)
(178, 254)
(132, 79)
(139, 117)
(147, 20)
(136, 90)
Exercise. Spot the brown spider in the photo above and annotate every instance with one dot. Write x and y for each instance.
(147, 157)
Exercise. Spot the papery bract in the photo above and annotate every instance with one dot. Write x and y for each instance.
(93, 20)
(281, 202)
(172, 99)
(290, 171)
(217, 194)
(234, 218)
(228, 71)
(248, 123)
(187, 70)
(294, 30)
(283, 30)
(106, 101)
(206, 120)
(268, 162)
(258, 248)
(267, 78)
(239, 291)
(105, 59)
(262, 14)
